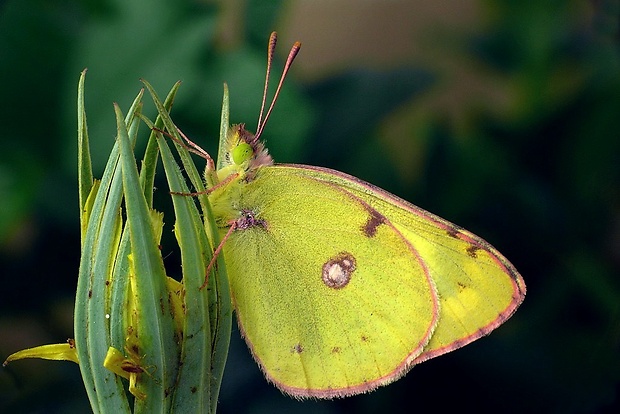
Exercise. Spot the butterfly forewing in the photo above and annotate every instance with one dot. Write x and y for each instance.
(478, 287)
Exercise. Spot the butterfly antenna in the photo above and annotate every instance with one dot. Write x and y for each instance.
(289, 61)
(271, 47)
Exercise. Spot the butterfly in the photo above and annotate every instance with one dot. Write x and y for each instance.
(340, 287)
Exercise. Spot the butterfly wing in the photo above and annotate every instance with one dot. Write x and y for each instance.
(332, 298)
(478, 288)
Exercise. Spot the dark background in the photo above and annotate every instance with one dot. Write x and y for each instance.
(501, 116)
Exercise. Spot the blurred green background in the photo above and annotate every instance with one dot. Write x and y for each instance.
(501, 116)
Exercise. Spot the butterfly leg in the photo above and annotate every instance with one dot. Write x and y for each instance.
(209, 190)
(216, 253)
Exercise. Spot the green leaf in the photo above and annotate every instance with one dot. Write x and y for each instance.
(155, 328)
(219, 302)
(100, 241)
(193, 387)
(85, 170)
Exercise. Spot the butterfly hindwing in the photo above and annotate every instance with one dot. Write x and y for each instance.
(332, 298)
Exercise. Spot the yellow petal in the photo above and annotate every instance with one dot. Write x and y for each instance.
(177, 303)
(128, 368)
(56, 352)
(133, 387)
(115, 361)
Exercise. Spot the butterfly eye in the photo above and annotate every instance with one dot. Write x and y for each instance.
(242, 153)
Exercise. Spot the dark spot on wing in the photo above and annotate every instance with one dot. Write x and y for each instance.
(375, 219)
(454, 231)
(472, 251)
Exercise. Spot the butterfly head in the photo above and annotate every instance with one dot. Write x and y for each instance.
(245, 152)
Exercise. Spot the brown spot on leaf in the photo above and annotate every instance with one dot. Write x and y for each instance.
(297, 349)
(131, 367)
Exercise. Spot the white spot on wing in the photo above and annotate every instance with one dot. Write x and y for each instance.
(338, 270)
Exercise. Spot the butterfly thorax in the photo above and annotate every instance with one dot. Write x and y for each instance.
(244, 157)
